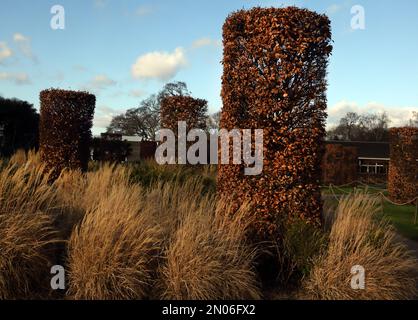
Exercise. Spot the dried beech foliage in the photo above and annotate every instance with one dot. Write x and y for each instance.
(339, 164)
(65, 129)
(183, 108)
(403, 167)
(275, 63)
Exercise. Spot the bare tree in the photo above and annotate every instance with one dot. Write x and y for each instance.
(213, 121)
(348, 126)
(366, 127)
(144, 121)
(413, 122)
(178, 88)
(375, 126)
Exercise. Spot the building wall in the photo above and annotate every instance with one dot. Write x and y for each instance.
(373, 171)
(135, 152)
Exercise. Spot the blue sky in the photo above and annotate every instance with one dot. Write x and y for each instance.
(125, 50)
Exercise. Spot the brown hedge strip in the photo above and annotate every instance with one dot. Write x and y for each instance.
(183, 108)
(65, 129)
(275, 63)
(403, 167)
(339, 164)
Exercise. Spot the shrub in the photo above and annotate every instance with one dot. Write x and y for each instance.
(148, 172)
(115, 251)
(302, 243)
(339, 164)
(208, 259)
(24, 187)
(27, 233)
(170, 201)
(111, 254)
(26, 254)
(274, 79)
(403, 166)
(78, 193)
(65, 129)
(110, 150)
(358, 238)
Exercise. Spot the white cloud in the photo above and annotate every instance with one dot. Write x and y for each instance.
(99, 83)
(101, 121)
(17, 78)
(103, 116)
(137, 93)
(159, 65)
(144, 10)
(338, 7)
(18, 37)
(204, 42)
(5, 52)
(80, 68)
(398, 116)
(24, 45)
(333, 9)
(58, 76)
(103, 81)
(100, 3)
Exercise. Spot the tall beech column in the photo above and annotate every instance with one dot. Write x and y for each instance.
(65, 129)
(275, 63)
(403, 166)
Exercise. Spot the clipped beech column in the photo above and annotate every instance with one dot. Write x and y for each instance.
(339, 164)
(275, 63)
(187, 109)
(403, 166)
(183, 108)
(65, 129)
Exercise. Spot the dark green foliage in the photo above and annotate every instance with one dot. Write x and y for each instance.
(110, 150)
(302, 243)
(148, 172)
(19, 123)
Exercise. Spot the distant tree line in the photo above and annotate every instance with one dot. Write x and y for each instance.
(413, 122)
(361, 127)
(144, 121)
(19, 123)
(111, 150)
(19, 126)
(365, 127)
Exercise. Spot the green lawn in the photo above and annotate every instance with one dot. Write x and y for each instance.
(347, 190)
(402, 217)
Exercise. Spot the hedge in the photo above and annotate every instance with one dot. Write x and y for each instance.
(403, 166)
(339, 164)
(65, 129)
(275, 63)
(183, 108)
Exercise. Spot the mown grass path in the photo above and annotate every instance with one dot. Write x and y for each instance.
(402, 217)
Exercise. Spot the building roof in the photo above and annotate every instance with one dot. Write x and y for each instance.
(365, 149)
(132, 138)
